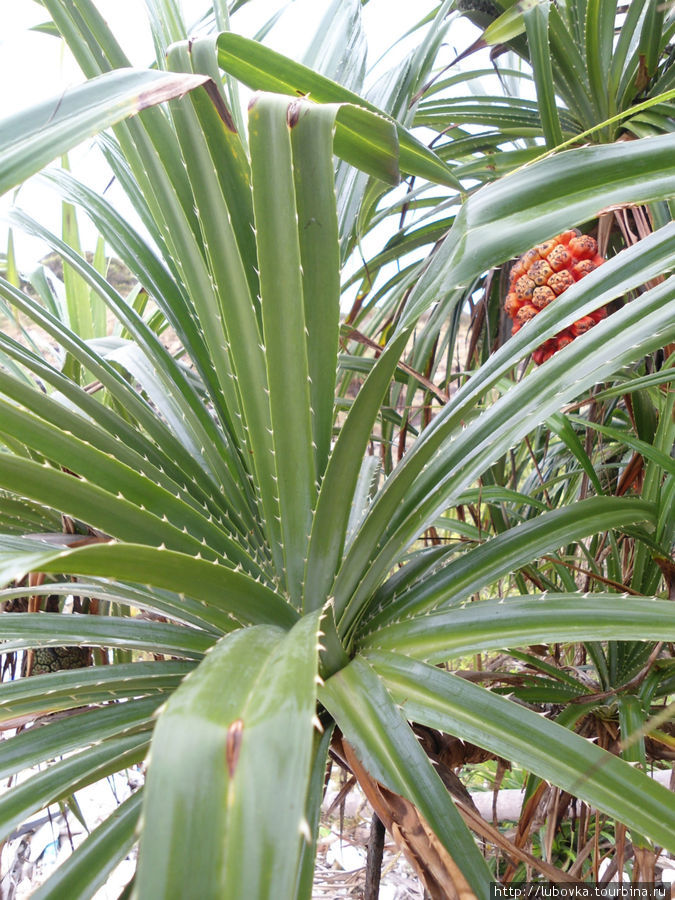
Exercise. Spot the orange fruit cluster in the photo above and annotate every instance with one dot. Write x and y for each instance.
(545, 272)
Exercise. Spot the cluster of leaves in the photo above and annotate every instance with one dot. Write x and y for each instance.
(213, 463)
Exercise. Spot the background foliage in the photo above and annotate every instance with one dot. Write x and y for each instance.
(289, 534)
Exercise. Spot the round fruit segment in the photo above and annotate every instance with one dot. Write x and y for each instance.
(545, 272)
(540, 272)
(525, 313)
(583, 247)
(542, 296)
(560, 281)
(582, 325)
(523, 287)
(559, 258)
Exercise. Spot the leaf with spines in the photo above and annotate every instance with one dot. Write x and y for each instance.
(267, 713)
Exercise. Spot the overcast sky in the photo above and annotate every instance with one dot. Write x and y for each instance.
(35, 66)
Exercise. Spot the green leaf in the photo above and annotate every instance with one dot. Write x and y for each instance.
(141, 259)
(31, 139)
(509, 24)
(637, 383)
(599, 33)
(442, 700)
(426, 481)
(632, 724)
(23, 630)
(226, 138)
(106, 472)
(521, 621)
(369, 141)
(63, 778)
(651, 37)
(250, 751)
(632, 728)
(536, 202)
(10, 265)
(339, 48)
(166, 22)
(165, 603)
(649, 451)
(561, 426)
(536, 27)
(234, 592)
(80, 311)
(232, 320)
(372, 723)
(90, 503)
(337, 489)
(315, 795)
(265, 70)
(46, 28)
(312, 141)
(284, 330)
(37, 745)
(174, 457)
(153, 155)
(625, 47)
(504, 113)
(571, 76)
(623, 273)
(43, 694)
(190, 427)
(509, 551)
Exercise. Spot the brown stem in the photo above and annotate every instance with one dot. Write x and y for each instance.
(592, 575)
(356, 335)
(538, 471)
(374, 859)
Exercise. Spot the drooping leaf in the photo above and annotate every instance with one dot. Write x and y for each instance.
(73, 688)
(386, 746)
(265, 70)
(31, 139)
(443, 700)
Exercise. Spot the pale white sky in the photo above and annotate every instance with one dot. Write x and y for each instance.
(34, 66)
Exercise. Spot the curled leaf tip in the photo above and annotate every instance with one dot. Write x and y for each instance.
(293, 114)
(211, 89)
(171, 87)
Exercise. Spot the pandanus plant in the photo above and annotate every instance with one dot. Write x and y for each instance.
(288, 606)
